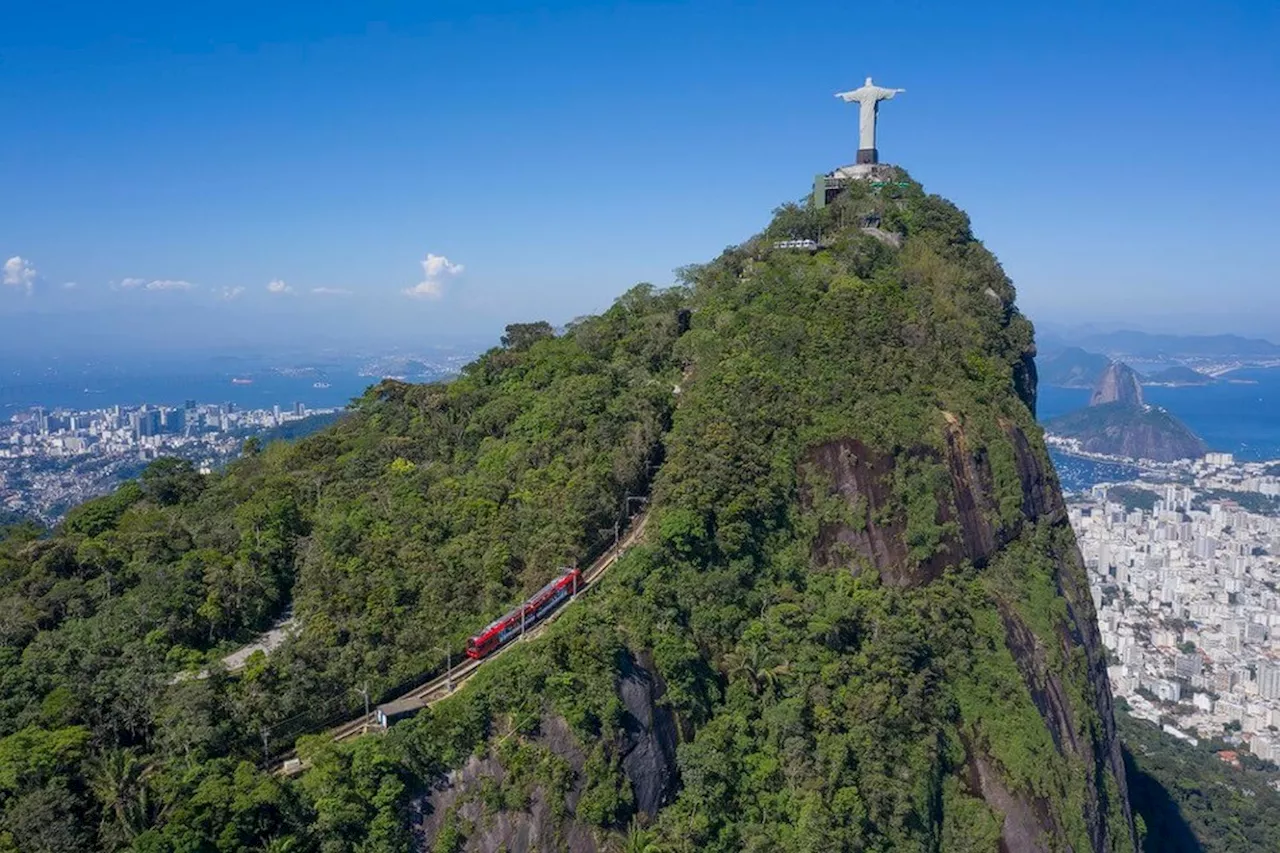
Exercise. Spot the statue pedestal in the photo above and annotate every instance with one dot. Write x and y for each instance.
(827, 187)
(868, 155)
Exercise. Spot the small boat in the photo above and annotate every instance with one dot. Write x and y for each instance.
(320, 385)
(241, 381)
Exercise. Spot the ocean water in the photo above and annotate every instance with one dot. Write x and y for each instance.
(266, 389)
(1241, 416)
(1080, 475)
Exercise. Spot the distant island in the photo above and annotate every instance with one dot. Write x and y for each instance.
(1119, 422)
(1179, 375)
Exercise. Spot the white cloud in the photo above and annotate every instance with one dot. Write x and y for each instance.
(69, 285)
(435, 270)
(278, 286)
(330, 291)
(155, 284)
(18, 272)
(229, 293)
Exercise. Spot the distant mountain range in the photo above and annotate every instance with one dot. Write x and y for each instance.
(1072, 367)
(1080, 362)
(1143, 345)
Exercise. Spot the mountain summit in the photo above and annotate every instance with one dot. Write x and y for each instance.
(1117, 384)
(854, 616)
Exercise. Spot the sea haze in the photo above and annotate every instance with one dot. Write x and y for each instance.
(249, 383)
(1239, 414)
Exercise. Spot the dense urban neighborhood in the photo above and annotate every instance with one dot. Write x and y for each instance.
(1184, 566)
(51, 460)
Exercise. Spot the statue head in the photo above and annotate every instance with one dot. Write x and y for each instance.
(869, 83)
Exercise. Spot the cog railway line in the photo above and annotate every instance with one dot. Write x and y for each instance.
(426, 695)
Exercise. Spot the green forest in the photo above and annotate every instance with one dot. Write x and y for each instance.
(874, 667)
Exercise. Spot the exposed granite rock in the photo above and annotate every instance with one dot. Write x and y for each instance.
(1025, 824)
(1026, 379)
(877, 536)
(1105, 748)
(1117, 384)
(537, 828)
(649, 754)
(648, 757)
(1118, 422)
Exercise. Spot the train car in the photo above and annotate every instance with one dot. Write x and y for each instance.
(535, 608)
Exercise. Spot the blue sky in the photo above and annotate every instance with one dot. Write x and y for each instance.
(172, 162)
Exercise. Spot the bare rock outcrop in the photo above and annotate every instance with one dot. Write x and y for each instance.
(647, 749)
(1118, 384)
(978, 524)
(969, 511)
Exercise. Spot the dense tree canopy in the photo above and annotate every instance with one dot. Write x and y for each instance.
(819, 705)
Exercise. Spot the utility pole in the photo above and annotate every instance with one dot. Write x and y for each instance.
(638, 498)
(364, 691)
(448, 665)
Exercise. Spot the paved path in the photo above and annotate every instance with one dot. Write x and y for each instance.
(265, 643)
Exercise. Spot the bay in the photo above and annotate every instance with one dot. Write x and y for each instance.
(1239, 414)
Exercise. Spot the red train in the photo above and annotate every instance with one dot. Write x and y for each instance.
(535, 609)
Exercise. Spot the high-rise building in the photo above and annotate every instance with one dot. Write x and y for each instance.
(146, 422)
(1269, 680)
(175, 421)
(299, 409)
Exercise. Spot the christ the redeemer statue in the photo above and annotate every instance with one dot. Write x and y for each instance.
(868, 96)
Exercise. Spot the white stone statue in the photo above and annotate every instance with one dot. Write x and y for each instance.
(868, 96)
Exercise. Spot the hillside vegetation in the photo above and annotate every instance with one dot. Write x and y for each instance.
(859, 621)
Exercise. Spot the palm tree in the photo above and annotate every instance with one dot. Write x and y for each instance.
(757, 665)
(119, 781)
(280, 844)
(639, 839)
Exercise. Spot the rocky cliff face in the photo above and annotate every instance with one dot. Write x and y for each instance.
(547, 818)
(1117, 384)
(874, 538)
(967, 507)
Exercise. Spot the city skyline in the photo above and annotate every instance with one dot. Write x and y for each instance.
(354, 173)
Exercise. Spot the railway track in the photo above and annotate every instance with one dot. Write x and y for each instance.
(426, 695)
